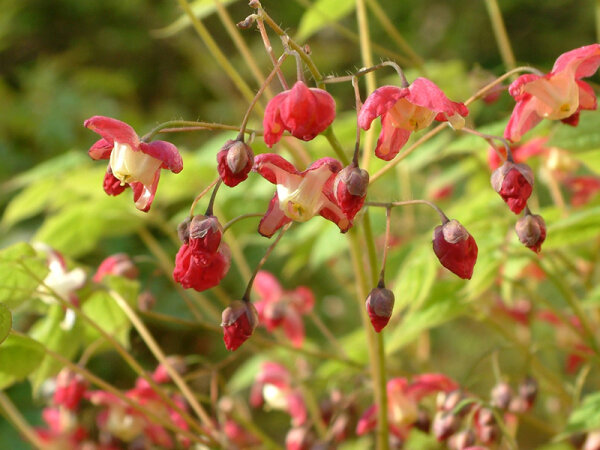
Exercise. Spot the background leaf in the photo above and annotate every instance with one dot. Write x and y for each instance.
(19, 356)
(16, 283)
(322, 13)
(5, 322)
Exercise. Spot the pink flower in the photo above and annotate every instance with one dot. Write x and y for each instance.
(404, 110)
(234, 161)
(273, 386)
(70, 389)
(403, 402)
(279, 308)
(119, 264)
(131, 161)
(238, 321)
(514, 183)
(455, 248)
(559, 95)
(582, 188)
(300, 195)
(304, 112)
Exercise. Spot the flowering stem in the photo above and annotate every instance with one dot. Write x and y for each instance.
(211, 202)
(265, 37)
(500, 33)
(173, 126)
(275, 70)
(330, 79)
(202, 194)
(484, 90)
(358, 106)
(386, 242)
(490, 138)
(19, 422)
(246, 296)
(443, 216)
(236, 251)
(335, 144)
(238, 218)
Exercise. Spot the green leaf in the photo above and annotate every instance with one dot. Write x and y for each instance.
(585, 418)
(585, 136)
(416, 277)
(245, 374)
(30, 201)
(51, 331)
(17, 264)
(200, 8)
(322, 13)
(19, 356)
(579, 227)
(104, 310)
(5, 322)
(590, 158)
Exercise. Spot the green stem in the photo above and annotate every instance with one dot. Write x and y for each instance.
(337, 147)
(186, 125)
(500, 34)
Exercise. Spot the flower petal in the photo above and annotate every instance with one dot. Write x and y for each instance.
(273, 219)
(272, 124)
(587, 96)
(584, 60)
(273, 167)
(166, 152)
(522, 119)
(378, 103)
(143, 195)
(100, 150)
(267, 287)
(391, 139)
(113, 130)
(426, 93)
(294, 328)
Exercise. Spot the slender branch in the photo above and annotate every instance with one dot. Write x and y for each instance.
(326, 332)
(386, 242)
(358, 103)
(443, 216)
(172, 126)
(19, 422)
(202, 194)
(213, 196)
(337, 147)
(239, 218)
(236, 250)
(500, 33)
(269, 48)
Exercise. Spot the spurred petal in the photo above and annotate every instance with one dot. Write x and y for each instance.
(113, 130)
(111, 184)
(273, 167)
(272, 124)
(100, 150)
(523, 118)
(297, 408)
(426, 93)
(166, 152)
(378, 103)
(516, 87)
(587, 96)
(273, 219)
(267, 287)
(331, 211)
(367, 422)
(585, 60)
(391, 139)
(143, 195)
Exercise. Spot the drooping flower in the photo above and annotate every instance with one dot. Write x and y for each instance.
(274, 387)
(119, 264)
(238, 321)
(404, 110)
(279, 308)
(350, 189)
(558, 95)
(131, 161)
(455, 248)
(403, 402)
(531, 230)
(234, 162)
(300, 195)
(304, 112)
(514, 183)
(204, 259)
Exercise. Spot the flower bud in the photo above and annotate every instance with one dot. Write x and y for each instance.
(462, 440)
(501, 395)
(205, 233)
(485, 425)
(455, 248)
(380, 304)
(514, 183)
(444, 425)
(235, 160)
(238, 321)
(448, 401)
(183, 230)
(528, 390)
(146, 301)
(350, 189)
(531, 230)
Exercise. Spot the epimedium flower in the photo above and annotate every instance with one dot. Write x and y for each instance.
(300, 195)
(119, 264)
(407, 109)
(234, 162)
(132, 162)
(403, 402)
(558, 95)
(455, 248)
(514, 183)
(280, 308)
(304, 112)
(238, 321)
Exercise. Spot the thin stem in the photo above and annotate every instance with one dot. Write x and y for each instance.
(213, 196)
(172, 126)
(257, 96)
(160, 356)
(443, 216)
(216, 52)
(202, 194)
(393, 32)
(500, 33)
(337, 147)
(358, 103)
(365, 70)
(490, 138)
(236, 251)
(239, 218)
(19, 422)
(484, 90)
(269, 48)
(386, 242)
(246, 296)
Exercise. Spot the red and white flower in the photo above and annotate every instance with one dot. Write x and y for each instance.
(408, 109)
(558, 95)
(132, 162)
(300, 195)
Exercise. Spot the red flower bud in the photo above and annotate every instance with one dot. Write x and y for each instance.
(205, 233)
(350, 189)
(380, 304)
(238, 321)
(514, 183)
(235, 160)
(201, 270)
(455, 248)
(531, 230)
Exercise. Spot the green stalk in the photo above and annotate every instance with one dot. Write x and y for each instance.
(502, 40)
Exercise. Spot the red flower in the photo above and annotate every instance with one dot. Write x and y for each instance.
(404, 110)
(304, 112)
(119, 264)
(380, 304)
(70, 388)
(350, 189)
(582, 188)
(277, 307)
(132, 162)
(300, 195)
(531, 230)
(455, 248)
(234, 161)
(238, 321)
(514, 183)
(559, 95)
